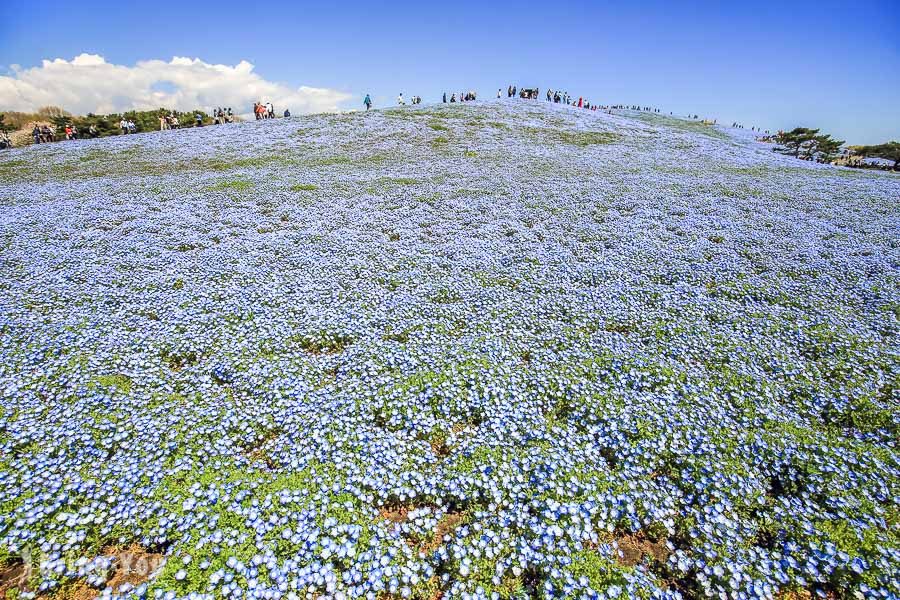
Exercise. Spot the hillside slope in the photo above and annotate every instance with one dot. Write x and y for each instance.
(500, 348)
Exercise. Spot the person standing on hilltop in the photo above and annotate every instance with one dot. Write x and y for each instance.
(445, 97)
(368, 102)
(400, 99)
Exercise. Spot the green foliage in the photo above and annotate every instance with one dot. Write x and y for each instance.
(240, 185)
(826, 146)
(587, 138)
(887, 151)
(304, 187)
(796, 140)
(106, 125)
(809, 143)
(60, 122)
(402, 180)
(116, 381)
(601, 571)
(581, 139)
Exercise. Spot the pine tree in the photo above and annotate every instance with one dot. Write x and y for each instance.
(887, 151)
(60, 122)
(796, 140)
(826, 147)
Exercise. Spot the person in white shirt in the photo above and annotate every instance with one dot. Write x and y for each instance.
(400, 99)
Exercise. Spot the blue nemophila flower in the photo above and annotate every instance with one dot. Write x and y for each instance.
(537, 370)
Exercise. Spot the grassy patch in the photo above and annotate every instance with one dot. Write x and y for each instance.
(115, 381)
(329, 160)
(587, 138)
(439, 143)
(239, 185)
(581, 139)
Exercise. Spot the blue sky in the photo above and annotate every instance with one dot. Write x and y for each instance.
(778, 64)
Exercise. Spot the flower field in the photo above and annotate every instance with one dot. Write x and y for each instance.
(498, 350)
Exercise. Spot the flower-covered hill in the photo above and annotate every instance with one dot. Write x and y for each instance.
(507, 350)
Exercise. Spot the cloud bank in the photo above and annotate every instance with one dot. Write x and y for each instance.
(88, 83)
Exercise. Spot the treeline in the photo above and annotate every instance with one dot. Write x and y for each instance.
(144, 120)
(889, 151)
(810, 144)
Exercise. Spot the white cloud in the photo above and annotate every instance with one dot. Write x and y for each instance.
(88, 83)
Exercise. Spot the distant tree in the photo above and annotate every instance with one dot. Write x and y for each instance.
(51, 112)
(803, 142)
(887, 151)
(60, 122)
(795, 141)
(18, 120)
(4, 128)
(825, 147)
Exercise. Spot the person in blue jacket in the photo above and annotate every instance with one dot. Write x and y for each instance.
(368, 102)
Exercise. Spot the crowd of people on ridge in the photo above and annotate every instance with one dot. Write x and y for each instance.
(469, 96)
(46, 133)
(43, 134)
(169, 121)
(400, 100)
(263, 111)
(222, 116)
